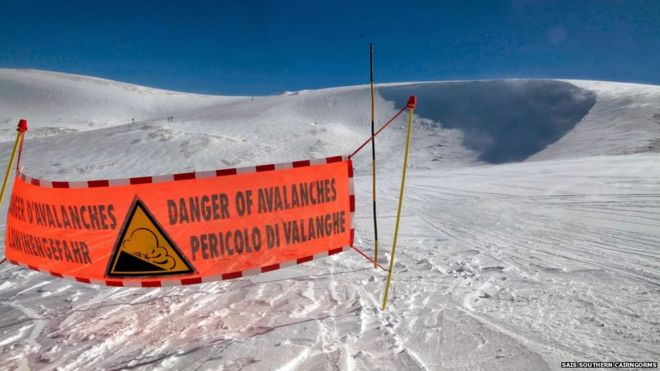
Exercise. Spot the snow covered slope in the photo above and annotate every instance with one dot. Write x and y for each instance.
(63, 103)
(530, 231)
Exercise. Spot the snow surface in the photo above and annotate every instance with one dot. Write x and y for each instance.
(530, 234)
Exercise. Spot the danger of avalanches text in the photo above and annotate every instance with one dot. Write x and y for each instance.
(85, 217)
(82, 217)
(268, 200)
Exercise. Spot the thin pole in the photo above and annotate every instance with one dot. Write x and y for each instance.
(19, 138)
(373, 153)
(411, 108)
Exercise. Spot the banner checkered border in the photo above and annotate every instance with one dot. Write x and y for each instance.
(190, 176)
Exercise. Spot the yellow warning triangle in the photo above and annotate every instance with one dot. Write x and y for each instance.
(143, 248)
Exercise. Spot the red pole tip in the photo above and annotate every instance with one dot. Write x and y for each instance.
(22, 126)
(412, 101)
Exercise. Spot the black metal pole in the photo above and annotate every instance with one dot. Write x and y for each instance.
(373, 152)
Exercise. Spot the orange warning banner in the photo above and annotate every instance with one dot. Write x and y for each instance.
(183, 228)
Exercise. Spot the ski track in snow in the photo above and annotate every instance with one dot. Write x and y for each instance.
(513, 266)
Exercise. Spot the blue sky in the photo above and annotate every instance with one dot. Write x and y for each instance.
(263, 47)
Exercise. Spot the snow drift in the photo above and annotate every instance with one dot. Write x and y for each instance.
(503, 121)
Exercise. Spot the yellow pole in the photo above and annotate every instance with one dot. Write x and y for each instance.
(22, 127)
(9, 166)
(411, 108)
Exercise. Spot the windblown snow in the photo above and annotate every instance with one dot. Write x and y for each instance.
(530, 233)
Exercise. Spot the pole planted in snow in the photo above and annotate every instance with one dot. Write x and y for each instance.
(412, 101)
(21, 129)
(373, 153)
